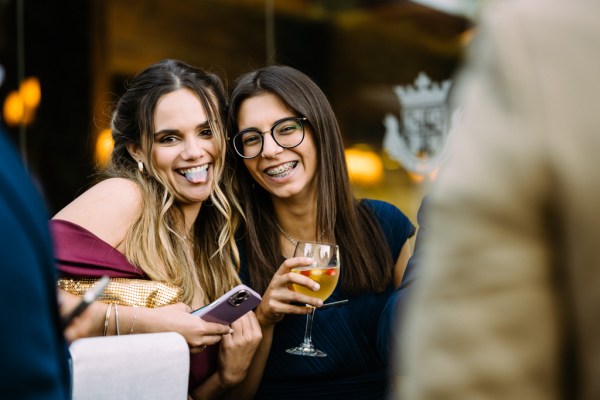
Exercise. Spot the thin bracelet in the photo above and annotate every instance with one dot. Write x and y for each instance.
(134, 318)
(117, 318)
(106, 318)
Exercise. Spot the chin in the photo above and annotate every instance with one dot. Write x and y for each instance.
(193, 198)
(284, 194)
(201, 199)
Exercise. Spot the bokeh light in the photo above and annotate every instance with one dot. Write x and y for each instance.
(20, 106)
(364, 165)
(14, 109)
(104, 146)
(31, 92)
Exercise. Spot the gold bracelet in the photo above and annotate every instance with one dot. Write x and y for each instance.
(134, 318)
(107, 318)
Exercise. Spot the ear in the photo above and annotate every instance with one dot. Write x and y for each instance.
(135, 152)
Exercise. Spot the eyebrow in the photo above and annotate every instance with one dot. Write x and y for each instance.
(253, 128)
(199, 127)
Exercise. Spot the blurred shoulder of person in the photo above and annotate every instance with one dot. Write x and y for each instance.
(506, 306)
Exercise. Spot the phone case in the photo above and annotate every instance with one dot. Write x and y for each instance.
(231, 306)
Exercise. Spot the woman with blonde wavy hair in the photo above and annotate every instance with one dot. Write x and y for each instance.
(164, 213)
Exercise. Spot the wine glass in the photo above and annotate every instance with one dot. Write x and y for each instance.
(325, 270)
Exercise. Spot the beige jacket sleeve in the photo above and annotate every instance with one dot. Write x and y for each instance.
(496, 305)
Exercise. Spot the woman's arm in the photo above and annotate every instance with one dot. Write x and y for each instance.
(248, 387)
(172, 318)
(236, 355)
(276, 302)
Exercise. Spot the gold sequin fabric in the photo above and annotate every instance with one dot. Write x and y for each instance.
(126, 291)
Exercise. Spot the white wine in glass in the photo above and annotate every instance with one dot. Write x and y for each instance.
(325, 270)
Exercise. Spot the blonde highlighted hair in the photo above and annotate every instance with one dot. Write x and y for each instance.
(207, 268)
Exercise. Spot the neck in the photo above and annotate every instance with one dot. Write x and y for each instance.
(286, 235)
(296, 226)
(190, 215)
(296, 219)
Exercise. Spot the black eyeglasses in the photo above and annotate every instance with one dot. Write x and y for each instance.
(286, 132)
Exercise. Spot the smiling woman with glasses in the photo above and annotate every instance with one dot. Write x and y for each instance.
(289, 163)
(286, 132)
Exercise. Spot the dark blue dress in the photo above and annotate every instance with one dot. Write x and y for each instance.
(354, 367)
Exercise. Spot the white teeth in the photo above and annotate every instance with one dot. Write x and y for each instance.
(281, 169)
(194, 170)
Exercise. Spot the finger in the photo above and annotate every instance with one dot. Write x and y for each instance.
(227, 340)
(243, 325)
(285, 308)
(304, 299)
(252, 327)
(213, 328)
(244, 332)
(295, 303)
(208, 340)
(302, 280)
(293, 262)
(198, 349)
(288, 302)
(238, 326)
(253, 320)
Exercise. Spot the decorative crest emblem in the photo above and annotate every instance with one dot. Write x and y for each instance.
(420, 142)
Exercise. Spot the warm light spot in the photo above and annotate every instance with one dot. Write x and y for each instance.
(20, 106)
(31, 92)
(420, 178)
(104, 146)
(364, 166)
(416, 178)
(14, 109)
(466, 37)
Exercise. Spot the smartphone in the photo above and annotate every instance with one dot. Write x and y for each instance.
(231, 306)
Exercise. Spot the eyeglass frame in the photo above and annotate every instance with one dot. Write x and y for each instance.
(300, 120)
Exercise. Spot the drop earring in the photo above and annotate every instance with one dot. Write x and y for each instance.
(141, 166)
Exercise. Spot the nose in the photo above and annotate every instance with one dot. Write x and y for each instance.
(193, 148)
(270, 147)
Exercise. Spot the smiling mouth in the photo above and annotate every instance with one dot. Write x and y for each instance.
(282, 170)
(196, 174)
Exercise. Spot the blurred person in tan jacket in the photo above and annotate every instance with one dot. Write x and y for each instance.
(508, 304)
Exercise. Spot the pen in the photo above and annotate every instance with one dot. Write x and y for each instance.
(88, 298)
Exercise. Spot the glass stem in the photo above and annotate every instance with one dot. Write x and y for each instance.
(308, 331)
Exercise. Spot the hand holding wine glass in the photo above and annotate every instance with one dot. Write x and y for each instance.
(325, 270)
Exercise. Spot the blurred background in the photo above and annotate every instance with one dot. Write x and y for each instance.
(67, 62)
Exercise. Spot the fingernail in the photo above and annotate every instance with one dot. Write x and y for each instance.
(316, 287)
(230, 331)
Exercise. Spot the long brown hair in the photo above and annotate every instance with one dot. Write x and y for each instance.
(209, 268)
(366, 259)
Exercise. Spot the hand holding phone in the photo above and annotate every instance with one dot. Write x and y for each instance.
(231, 306)
(88, 298)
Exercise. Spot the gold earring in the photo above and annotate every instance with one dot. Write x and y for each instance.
(141, 166)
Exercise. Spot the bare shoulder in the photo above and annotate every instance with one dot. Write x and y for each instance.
(123, 187)
(107, 209)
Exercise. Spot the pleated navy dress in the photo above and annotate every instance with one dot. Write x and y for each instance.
(355, 366)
